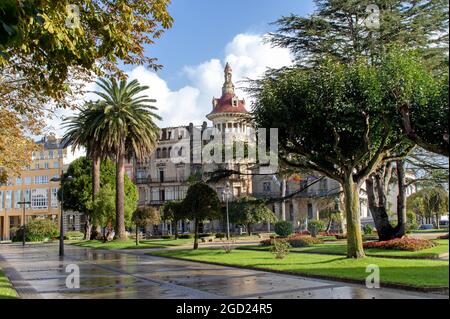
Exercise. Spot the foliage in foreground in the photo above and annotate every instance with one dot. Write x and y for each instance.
(37, 230)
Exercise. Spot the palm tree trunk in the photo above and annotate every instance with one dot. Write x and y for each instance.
(95, 176)
(120, 196)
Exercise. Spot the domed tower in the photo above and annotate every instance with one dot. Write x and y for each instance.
(228, 112)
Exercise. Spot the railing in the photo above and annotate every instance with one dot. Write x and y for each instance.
(304, 194)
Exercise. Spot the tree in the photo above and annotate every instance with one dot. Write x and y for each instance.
(45, 45)
(79, 133)
(429, 203)
(347, 30)
(50, 49)
(15, 147)
(144, 216)
(78, 197)
(173, 211)
(125, 128)
(201, 203)
(353, 125)
(248, 211)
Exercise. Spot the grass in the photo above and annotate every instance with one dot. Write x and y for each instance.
(341, 249)
(442, 230)
(406, 272)
(131, 244)
(6, 289)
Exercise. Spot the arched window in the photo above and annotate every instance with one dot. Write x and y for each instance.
(158, 153)
(169, 152)
(164, 152)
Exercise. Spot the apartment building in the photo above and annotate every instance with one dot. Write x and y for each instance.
(34, 185)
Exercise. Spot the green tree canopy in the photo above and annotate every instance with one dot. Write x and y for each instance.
(353, 124)
(248, 211)
(143, 216)
(201, 203)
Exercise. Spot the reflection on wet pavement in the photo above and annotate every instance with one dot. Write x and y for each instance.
(37, 272)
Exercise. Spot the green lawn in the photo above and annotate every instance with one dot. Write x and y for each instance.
(341, 249)
(442, 230)
(6, 289)
(130, 243)
(407, 272)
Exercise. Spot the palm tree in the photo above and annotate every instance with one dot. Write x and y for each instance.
(124, 127)
(80, 134)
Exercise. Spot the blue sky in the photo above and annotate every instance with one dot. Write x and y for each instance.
(202, 28)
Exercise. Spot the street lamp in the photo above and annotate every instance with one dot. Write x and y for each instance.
(61, 179)
(24, 203)
(225, 196)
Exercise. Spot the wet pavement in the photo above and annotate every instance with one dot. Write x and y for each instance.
(37, 271)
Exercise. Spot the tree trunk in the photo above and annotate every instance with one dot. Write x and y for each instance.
(283, 203)
(175, 228)
(195, 233)
(354, 238)
(87, 229)
(249, 229)
(95, 176)
(137, 235)
(120, 196)
(380, 217)
(400, 229)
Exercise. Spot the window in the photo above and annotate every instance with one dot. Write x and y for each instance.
(54, 197)
(162, 195)
(42, 155)
(161, 175)
(18, 180)
(43, 179)
(46, 165)
(39, 198)
(50, 154)
(27, 180)
(1, 200)
(55, 164)
(8, 199)
(266, 187)
(60, 153)
(37, 166)
(17, 198)
(164, 152)
(158, 153)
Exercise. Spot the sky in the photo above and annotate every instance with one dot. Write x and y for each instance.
(205, 35)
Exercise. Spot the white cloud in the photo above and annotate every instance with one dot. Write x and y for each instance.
(248, 56)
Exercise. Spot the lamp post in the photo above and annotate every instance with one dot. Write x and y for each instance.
(24, 203)
(225, 196)
(61, 179)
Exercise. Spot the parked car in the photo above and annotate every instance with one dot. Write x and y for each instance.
(426, 226)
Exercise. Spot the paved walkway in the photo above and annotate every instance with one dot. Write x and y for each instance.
(37, 272)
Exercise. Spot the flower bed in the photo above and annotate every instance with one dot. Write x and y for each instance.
(443, 236)
(405, 243)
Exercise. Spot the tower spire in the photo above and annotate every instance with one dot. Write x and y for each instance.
(228, 86)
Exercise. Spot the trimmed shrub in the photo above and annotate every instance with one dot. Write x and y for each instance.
(185, 236)
(368, 229)
(316, 226)
(37, 230)
(167, 237)
(303, 241)
(74, 235)
(220, 235)
(405, 243)
(283, 228)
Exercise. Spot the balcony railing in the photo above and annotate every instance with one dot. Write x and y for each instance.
(149, 180)
(304, 194)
